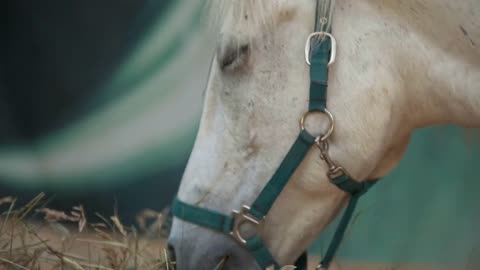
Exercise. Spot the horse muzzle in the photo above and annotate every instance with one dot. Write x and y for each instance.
(196, 248)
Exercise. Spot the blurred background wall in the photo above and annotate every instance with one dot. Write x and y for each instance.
(100, 102)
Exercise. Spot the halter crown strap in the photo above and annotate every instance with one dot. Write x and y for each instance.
(320, 57)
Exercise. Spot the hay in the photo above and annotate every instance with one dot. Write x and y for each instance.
(67, 241)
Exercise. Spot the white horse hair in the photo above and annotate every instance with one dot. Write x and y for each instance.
(401, 65)
(236, 12)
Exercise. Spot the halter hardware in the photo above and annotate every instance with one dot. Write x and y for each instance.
(242, 218)
(334, 170)
(308, 46)
(331, 123)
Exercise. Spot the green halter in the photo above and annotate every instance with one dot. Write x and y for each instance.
(320, 57)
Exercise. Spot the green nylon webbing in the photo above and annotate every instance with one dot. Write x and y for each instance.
(203, 217)
(265, 259)
(339, 232)
(356, 189)
(261, 253)
(320, 56)
(275, 185)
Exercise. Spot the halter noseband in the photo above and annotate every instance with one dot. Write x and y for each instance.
(319, 58)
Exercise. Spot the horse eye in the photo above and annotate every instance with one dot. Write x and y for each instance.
(232, 57)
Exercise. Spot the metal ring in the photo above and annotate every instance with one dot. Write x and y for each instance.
(239, 219)
(333, 53)
(331, 121)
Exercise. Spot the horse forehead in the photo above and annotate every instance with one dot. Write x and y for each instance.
(256, 14)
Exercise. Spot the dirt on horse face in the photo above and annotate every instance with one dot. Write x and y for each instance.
(400, 66)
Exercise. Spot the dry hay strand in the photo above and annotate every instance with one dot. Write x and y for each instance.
(68, 241)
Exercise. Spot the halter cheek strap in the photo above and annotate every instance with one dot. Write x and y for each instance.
(320, 58)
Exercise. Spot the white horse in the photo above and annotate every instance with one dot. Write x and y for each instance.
(401, 65)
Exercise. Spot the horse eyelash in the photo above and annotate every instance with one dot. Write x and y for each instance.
(235, 58)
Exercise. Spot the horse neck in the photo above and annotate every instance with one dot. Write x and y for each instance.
(440, 65)
(414, 64)
(445, 92)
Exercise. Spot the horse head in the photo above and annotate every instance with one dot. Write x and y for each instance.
(383, 85)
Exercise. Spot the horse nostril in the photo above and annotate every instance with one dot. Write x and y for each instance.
(171, 253)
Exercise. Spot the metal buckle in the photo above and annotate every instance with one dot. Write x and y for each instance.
(333, 52)
(334, 170)
(330, 128)
(241, 218)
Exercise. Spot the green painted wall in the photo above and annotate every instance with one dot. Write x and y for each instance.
(427, 211)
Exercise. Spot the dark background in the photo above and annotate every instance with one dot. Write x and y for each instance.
(54, 57)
